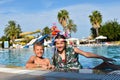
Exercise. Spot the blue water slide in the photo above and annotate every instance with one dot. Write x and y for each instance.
(42, 38)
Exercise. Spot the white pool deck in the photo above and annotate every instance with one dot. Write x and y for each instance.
(84, 74)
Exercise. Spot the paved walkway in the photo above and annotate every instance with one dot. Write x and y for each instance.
(22, 74)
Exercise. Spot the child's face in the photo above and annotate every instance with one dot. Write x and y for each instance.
(60, 45)
(39, 51)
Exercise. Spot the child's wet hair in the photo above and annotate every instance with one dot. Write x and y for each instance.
(37, 44)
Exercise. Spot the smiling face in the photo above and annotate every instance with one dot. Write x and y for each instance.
(60, 45)
(38, 50)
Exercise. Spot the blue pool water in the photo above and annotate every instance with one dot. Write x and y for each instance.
(19, 57)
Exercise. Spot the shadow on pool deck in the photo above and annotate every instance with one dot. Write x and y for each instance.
(18, 74)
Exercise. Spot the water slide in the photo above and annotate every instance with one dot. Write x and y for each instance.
(40, 39)
(32, 41)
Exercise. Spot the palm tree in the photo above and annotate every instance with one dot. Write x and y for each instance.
(12, 30)
(46, 30)
(71, 26)
(63, 17)
(96, 20)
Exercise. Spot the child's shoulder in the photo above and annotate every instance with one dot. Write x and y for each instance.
(33, 57)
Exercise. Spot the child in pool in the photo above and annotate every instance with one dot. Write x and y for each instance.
(37, 61)
(67, 57)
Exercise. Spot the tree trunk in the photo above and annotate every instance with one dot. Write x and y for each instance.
(97, 33)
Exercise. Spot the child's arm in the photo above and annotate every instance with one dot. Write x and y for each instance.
(30, 63)
(91, 55)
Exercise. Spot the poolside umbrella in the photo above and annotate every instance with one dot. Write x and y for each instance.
(101, 37)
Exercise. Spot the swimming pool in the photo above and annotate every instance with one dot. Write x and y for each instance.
(107, 51)
(19, 57)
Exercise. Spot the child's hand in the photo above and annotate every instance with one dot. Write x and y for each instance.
(45, 67)
(108, 60)
(42, 67)
(52, 67)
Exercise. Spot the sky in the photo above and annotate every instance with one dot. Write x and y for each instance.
(37, 14)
